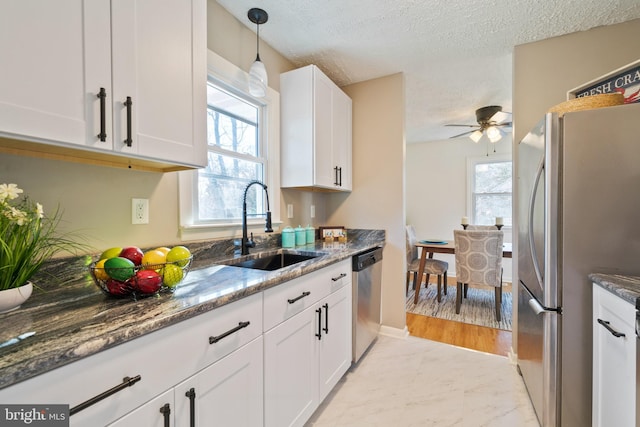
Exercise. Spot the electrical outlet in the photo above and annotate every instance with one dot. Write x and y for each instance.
(139, 211)
(289, 211)
(313, 211)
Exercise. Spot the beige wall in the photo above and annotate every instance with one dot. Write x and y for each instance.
(377, 201)
(544, 71)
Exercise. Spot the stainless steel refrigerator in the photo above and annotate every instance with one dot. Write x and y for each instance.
(578, 212)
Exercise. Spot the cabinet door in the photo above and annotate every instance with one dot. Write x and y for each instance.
(151, 414)
(56, 57)
(227, 393)
(159, 62)
(323, 133)
(342, 138)
(335, 345)
(614, 361)
(291, 370)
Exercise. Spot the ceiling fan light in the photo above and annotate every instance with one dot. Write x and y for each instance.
(475, 136)
(494, 134)
(258, 79)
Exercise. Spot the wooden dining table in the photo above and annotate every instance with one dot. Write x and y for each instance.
(428, 248)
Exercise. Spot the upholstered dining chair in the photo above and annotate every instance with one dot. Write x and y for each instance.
(432, 266)
(478, 262)
(481, 227)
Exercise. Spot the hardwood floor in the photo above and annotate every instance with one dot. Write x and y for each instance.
(479, 338)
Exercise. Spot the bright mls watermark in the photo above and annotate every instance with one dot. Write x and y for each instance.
(34, 415)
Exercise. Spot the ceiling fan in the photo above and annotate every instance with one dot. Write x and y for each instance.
(490, 120)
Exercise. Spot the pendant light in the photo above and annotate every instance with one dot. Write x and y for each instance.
(258, 79)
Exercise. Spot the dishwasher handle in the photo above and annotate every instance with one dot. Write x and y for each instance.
(367, 259)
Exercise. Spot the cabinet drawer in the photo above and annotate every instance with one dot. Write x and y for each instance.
(222, 331)
(155, 357)
(291, 298)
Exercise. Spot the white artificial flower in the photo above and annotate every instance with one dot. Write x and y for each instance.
(9, 191)
(39, 210)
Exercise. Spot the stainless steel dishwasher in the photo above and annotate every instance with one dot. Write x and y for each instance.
(367, 281)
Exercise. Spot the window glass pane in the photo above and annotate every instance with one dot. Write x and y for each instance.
(488, 207)
(231, 104)
(492, 186)
(230, 133)
(234, 159)
(221, 188)
(493, 177)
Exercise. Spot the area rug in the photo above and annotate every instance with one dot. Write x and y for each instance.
(477, 309)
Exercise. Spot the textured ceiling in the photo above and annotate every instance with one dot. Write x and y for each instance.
(456, 54)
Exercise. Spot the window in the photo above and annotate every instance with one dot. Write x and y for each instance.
(490, 190)
(242, 146)
(235, 158)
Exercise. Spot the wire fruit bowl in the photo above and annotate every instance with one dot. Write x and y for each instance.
(140, 280)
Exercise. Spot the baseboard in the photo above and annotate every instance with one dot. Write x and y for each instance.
(394, 332)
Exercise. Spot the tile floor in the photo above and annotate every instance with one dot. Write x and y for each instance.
(417, 382)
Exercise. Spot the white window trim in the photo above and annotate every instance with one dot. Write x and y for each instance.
(228, 74)
(471, 163)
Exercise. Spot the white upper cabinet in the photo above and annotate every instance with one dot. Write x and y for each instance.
(56, 56)
(63, 54)
(316, 131)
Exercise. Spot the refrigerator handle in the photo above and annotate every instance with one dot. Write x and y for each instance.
(532, 199)
(535, 304)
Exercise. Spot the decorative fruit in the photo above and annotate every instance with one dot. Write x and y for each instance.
(179, 255)
(111, 253)
(116, 287)
(153, 260)
(132, 253)
(99, 271)
(146, 281)
(165, 250)
(172, 275)
(119, 268)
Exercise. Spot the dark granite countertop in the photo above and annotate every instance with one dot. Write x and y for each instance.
(61, 324)
(626, 287)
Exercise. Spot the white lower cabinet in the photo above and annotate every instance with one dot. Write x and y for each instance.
(156, 413)
(614, 360)
(227, 393)
(267, 359)
(308, 353)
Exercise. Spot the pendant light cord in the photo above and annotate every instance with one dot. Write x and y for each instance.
(257, 42)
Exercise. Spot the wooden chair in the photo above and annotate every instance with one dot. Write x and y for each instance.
(479, 262)
(432, 266)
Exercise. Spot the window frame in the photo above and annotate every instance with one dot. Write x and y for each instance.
(472, 162)
(233, 79)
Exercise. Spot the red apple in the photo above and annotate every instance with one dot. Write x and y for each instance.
(133, 254)
(118, 288)
(147, 281)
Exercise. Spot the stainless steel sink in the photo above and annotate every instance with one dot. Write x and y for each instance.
(273, 262)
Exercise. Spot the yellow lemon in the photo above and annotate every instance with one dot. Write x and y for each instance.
(153, 259)
(172, 275)
(111, 253)
(99, 270)
(179, 255)
(165, 250)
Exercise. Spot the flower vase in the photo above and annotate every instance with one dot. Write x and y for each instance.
(11, 299)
